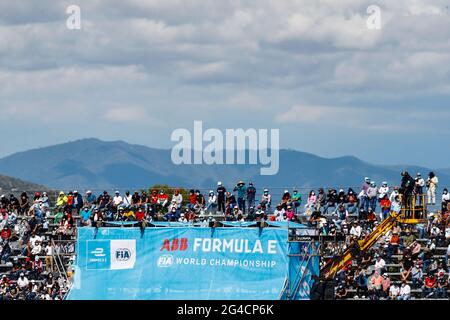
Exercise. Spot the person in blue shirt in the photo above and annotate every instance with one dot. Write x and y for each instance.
(85, 215)
(91, 199)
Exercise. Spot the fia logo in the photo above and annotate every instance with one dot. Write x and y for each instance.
(165, 261)
(123, 254)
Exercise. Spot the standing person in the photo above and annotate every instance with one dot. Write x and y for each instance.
(445, 200)
(420, 184)
(363, 194)
(241, 193)
(372, 195)
(49, 257)
(296, 199)
(406, 189)
(221, 197)
(251, 195)
(432, 183)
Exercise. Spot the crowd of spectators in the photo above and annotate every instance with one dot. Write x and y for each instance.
(27, 250)
(353, 213)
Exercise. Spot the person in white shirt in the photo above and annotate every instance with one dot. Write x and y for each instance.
(356, 230)
(418, 188)
(380, 264)
(35, 238)
(383, 190)
(405, 291)
(127, 200)
(177, 199)
(394, 291)
(117, 200)
(49, 257)
(279, 213)
(396, 206)
(212, 202)
(432, 183)
(394, 194)
(36, 249)
(22, 282)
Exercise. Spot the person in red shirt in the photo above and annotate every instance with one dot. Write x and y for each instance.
(163, 200)
(192, 199)
(140, 214)
(429, 287)
(6, 233)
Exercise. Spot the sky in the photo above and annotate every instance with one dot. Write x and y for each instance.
(139, 69)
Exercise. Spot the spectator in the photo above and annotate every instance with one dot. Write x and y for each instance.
(385, 284)
(394, 292)
(22, 282)
(445, 200)
(416, 275)
(331, 200)
(266, 200)
(241, 193)
(221, 191)
(442, 284)
(49, 257)
(212, 202)
(380, 264)
(405, 291)
(352, 201)
(430, 284)
(372, 195)
(77, 201)
(312, 198)
(251, 195)
(117, 201)
(363, 194)
(91, 199)
(321, 200)
(420, 184)
(432, 184)
(296, 200)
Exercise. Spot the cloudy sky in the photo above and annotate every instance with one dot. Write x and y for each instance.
(139, 69)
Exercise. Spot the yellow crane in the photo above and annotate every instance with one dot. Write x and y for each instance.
(410, 214)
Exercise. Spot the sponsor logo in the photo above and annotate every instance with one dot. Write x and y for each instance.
(98, 252)
(123, 254)
(165, 261)
(175, 245)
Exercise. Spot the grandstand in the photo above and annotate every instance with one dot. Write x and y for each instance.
(363, 254)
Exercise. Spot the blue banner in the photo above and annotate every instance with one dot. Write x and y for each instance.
(180, 264)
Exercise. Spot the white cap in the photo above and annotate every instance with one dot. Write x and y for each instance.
(117, 191)
(286, 191)
(219, 183)
(89, 191)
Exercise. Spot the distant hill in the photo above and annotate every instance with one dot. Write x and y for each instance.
(8, 185)
(96, 164)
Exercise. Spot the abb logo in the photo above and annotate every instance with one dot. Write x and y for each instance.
(175, 244)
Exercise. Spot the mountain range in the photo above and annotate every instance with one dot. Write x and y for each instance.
(96, 164)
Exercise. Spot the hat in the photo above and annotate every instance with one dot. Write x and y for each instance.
(22, 274)
(89, 191)
(75, 191)
(117, 192)
(219, 183)
(385, 275)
